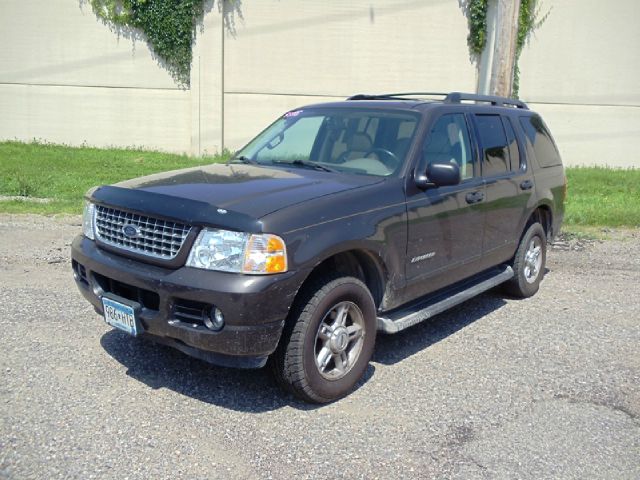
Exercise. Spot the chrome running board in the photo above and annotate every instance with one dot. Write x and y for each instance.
(442, 300)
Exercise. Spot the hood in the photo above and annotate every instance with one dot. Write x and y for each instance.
(251, 190)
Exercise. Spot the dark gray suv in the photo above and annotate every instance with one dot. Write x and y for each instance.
(337, 221)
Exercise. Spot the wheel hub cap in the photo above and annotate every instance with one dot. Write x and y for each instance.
(533, 260)
(339, 340)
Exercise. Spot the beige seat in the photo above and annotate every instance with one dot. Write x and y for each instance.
(457, 152)
(357, 146)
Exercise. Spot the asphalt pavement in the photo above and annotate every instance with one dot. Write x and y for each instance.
(547, 387)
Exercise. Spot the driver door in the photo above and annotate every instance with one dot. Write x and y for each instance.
(445, 224)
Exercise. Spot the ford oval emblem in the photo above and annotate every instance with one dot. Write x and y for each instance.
(131, 231)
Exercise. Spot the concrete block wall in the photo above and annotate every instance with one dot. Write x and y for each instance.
(65, 77)
(293, 52)
(581, 71)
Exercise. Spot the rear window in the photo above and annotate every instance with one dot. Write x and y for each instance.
(540, 142)
(514, 151)
(494, 143)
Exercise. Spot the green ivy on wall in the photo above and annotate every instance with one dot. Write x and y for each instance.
(477, 15)
(529, 19)
(169, 25)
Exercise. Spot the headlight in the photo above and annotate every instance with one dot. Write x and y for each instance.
(238, 252)
(88, 216)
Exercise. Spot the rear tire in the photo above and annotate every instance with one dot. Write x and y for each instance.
(528, 263)
(328, 340)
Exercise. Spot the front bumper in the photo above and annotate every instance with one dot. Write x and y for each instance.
(254, 307)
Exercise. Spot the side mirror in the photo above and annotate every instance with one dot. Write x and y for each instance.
(439, 174)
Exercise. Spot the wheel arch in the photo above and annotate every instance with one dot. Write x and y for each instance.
(544, 216)
(361, 263)
(541, 214)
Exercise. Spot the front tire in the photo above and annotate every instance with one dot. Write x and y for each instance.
(528, 263)
(327, 345)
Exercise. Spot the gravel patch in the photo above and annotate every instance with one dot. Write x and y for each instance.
(23, 198)
(547, 387)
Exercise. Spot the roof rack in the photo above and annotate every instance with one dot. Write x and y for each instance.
(453, 97)
(395, 96)
(459, 97)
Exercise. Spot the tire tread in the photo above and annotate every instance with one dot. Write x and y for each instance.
(286, 362)
(518, 287)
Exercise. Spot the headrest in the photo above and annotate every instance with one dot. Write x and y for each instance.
(454, 133)
(360, 142)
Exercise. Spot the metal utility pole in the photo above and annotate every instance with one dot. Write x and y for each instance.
(498, 59)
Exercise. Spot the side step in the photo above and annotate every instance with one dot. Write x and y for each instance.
(406, 317)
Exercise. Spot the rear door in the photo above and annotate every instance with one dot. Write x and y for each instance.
(550, 177)
(509, 186)
(445, 227)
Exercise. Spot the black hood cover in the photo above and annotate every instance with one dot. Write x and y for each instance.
(231, 196)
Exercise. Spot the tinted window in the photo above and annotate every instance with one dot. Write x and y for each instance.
(449, 142)
(495, 147)
(539, 139)
(514, 151)
(300, 138)
(357, 142)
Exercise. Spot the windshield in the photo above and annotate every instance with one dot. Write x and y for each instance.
(361, 142)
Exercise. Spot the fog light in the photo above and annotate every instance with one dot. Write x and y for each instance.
(215, 320)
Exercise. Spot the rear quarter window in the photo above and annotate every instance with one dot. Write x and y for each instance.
(539, 141)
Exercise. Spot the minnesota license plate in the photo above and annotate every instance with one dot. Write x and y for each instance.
(120, 316)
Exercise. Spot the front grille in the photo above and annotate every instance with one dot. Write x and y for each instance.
(147, 235)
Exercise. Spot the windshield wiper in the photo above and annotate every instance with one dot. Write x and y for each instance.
(305, 163)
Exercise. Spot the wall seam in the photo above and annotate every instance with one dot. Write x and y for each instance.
(222, 67)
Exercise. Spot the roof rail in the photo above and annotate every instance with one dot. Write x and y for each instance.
(453, 97)
(459, 97)
(395, 96)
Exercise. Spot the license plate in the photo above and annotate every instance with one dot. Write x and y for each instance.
(120, 316)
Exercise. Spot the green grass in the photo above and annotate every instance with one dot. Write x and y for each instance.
(603, 197)
(597, 197)
(63, 174)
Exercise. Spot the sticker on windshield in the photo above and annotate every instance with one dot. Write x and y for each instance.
(293, 113)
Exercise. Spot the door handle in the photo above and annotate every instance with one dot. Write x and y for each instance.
(474, 197)
(526, 185)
